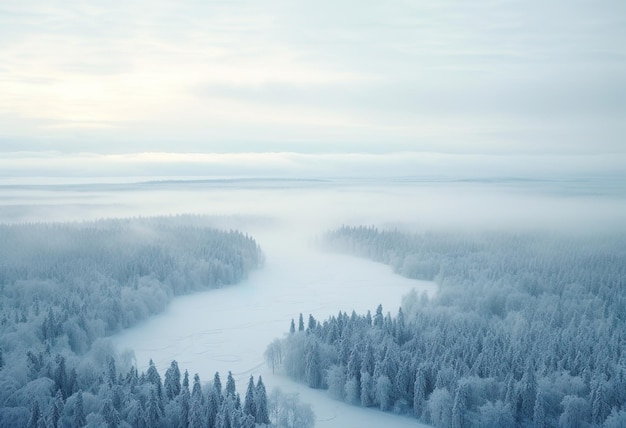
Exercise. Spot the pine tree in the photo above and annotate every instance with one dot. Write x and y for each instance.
(110, 415)
(224, 417)
(117, 397)
(60, 376)
(527, 394)
(368, 361)
(460, 406)
(217, 384)
(112, 371)
(403, 383)
(400, 327)
(378, 318)
(353, 369)
(312, 323)
(196, 411)
(313, 369)
(367, 389)
(72, 382)
(135, 413)
(213, 407)
(172, 381)
(132, 378)
(419, 393)
(300, 323)
(196, 392)
(262, 414)
(79, 411)
(153, 411)
(600, 408)
(186, 380)
(292, 329)
(249, 407)
(185, 404)
(57, 410)
(230, 385)
(155, 379)
(383, 392)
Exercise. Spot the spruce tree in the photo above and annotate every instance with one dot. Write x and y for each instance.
(110, 415)
(249, 407)
(196, 391)
(172, 381)
(185, 404)
(262, 413)
(155, 379)
(60, 376)
(378, 318)
(367, 389)
(217, 384)
(419, 393)
(459, 408)
(313, 369)
(57, 410)
(300, 323)
(312, 323)
(79, 411)
(196, 412)
(112, 371)
(153, 411)
(213, 406)
(230, 385)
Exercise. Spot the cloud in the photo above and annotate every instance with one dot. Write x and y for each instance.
(479, 77)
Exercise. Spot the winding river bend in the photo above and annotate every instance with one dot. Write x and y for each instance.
(229, 328)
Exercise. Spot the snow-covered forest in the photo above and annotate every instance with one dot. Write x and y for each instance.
(64, 287)
(527, 329)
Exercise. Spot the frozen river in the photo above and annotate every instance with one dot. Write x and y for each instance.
(229, 328)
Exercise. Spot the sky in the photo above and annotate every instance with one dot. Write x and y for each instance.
(150, 79)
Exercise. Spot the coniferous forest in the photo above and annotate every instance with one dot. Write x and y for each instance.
(66, 286)
(527, 329)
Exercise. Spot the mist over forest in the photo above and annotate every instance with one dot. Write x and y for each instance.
(525, 327)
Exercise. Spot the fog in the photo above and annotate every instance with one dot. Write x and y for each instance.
(311, 206)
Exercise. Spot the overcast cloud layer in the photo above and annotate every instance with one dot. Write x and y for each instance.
(479, 77)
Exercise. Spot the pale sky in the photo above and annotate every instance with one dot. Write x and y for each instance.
(475, 77)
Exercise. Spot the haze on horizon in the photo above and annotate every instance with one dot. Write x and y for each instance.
(451, 78)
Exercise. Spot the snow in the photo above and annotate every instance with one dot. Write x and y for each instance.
(230, 328)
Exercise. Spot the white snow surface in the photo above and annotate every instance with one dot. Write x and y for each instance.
(230, 328)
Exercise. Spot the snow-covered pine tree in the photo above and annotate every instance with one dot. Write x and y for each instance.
(262, 414)
(230, 385)
(172, 381)
(249, 406)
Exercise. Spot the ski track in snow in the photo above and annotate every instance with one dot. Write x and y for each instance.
(229, 328)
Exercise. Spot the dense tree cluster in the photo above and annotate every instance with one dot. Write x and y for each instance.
(63, 287)
(527, 329)
(139, 400)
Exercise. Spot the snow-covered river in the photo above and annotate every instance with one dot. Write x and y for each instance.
(230, 328)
